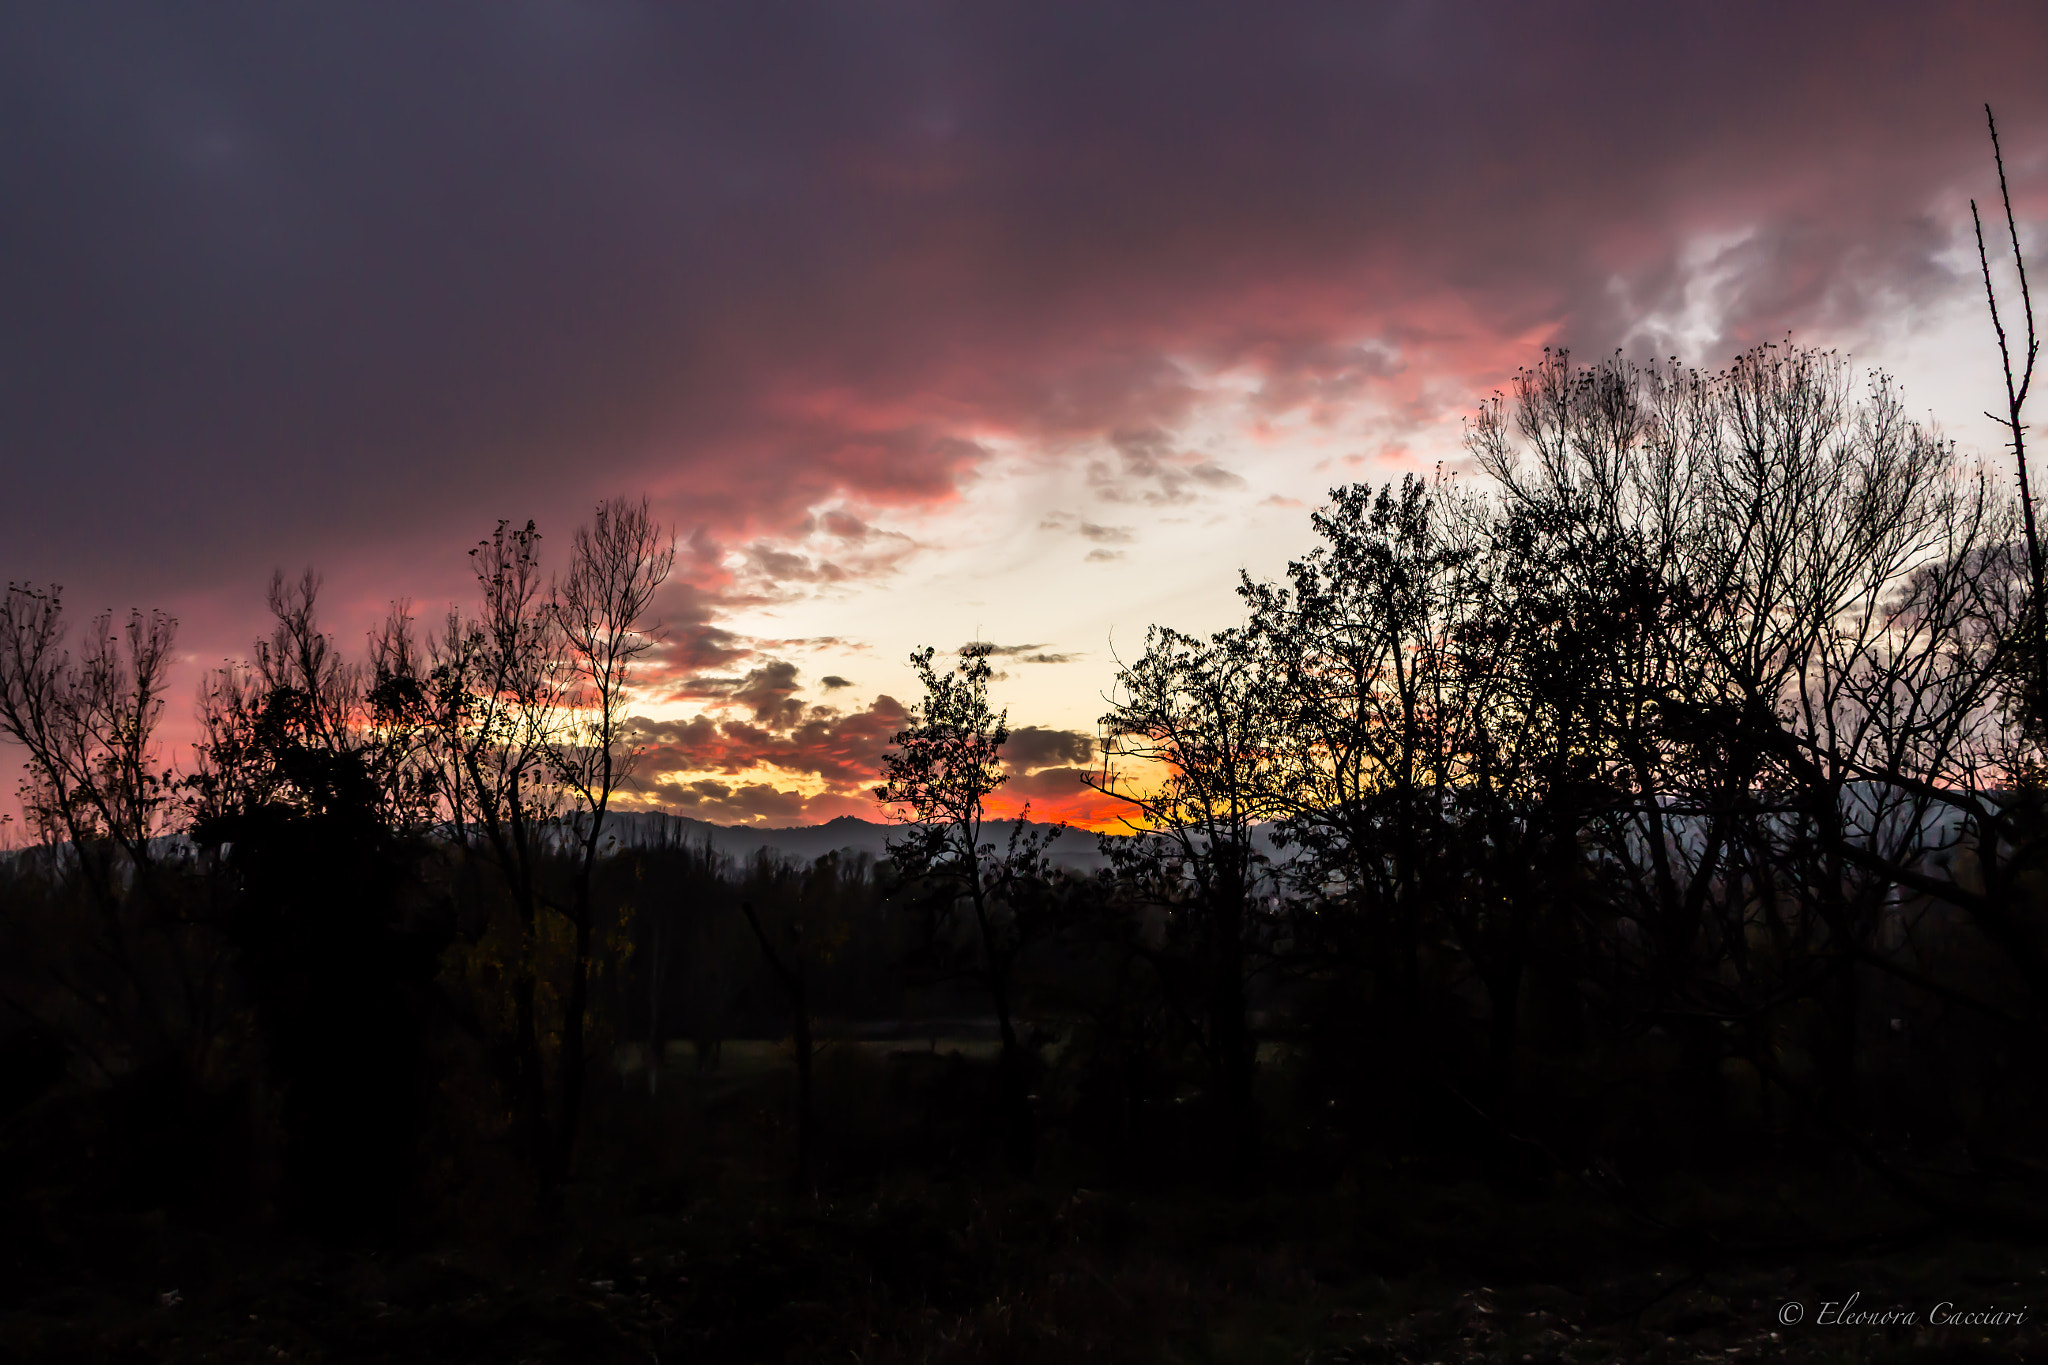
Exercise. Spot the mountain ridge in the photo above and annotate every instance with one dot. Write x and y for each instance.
(844, 833)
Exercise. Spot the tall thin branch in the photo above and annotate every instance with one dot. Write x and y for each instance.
(2016, 387)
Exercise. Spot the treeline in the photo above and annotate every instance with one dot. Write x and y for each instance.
(1678, 790)
(1669, 801)
(377, 884)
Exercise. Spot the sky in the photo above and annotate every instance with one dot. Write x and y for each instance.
(1035, 324)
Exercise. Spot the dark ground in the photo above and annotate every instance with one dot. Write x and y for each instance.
(684, 1243)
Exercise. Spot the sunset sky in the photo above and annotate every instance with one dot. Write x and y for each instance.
(1033, 324)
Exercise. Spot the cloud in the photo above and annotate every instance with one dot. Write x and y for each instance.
(1088, 530)
(782, 566)
(768, 692)
(831, 549)
(1032, 747)
(829, 763)
(1029, 654)
(814, 642)
(1058, 794)
(824, 764)
(692, 642)
(842, 750)
(1054, 784)
(995, 650)
(760, 276)
(803, 286)
(1149, 469)
(760, 803)
(845, 525)
(832, 682)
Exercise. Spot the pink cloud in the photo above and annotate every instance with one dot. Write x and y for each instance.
(797, 287)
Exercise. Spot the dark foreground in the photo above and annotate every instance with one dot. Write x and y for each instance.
(684, 1243)
(923, 1275)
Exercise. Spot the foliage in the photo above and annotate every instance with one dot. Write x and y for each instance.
(938, 775)
(1651, 820)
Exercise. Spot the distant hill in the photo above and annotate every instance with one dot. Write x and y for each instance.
(1076, 849)
(638, 829)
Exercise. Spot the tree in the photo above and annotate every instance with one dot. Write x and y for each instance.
(1367, 644)
(88, 727)
(309, 798)
(528, 701)
(600, 605)
(1191, 745)
(1794, 671)
(2018, 380)
(937, 777)
(99, 797)
(497, 691)
(302, 726)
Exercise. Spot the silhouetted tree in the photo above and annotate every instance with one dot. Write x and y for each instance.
(138, 980)
(1378, 714)
(1794, 674)
(2019, 378)
(601, 603)
(497, 690)
(529, 704)
(306, 793)
(1191, 745)
(938, 775)
(88, 728)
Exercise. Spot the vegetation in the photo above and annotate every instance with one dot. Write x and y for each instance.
(1620, 883)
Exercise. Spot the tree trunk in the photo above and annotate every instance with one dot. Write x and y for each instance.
(532, 1097)
(573, 1061)
(806, 1117)
(1020, 1137)
(791, 975)
(1236, 1051)
(654, 975)
(1504, 1037)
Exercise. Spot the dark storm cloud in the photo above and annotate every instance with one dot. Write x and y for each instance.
(347, 282)
(768, 692)
(1032, 747)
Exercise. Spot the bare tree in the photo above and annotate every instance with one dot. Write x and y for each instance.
(87, 725)
(1811, 683)
(528, 704)
(600, 607)
(2018, 379)
(97, 796)
(497, 691)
